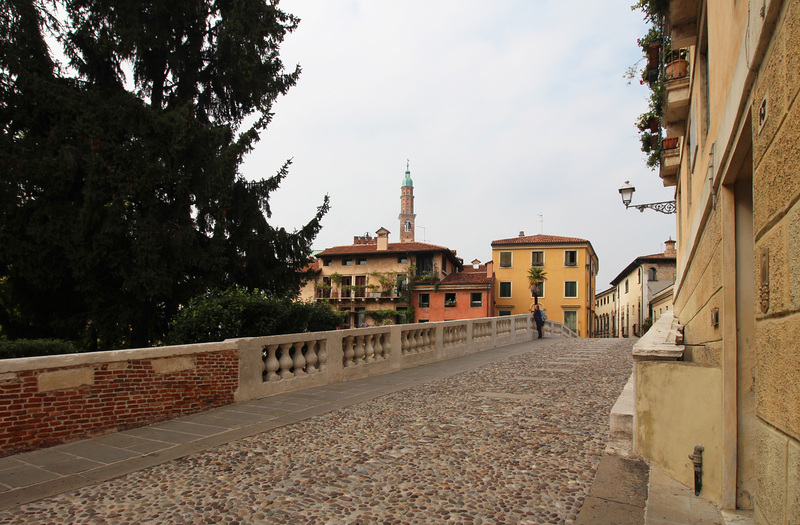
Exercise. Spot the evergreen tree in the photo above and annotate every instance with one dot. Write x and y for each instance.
(121, 196)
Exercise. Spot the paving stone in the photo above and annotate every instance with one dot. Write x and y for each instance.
(437, 452)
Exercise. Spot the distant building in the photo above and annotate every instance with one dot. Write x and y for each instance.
(605, 313)
(661, 303)
(567, 294)
(467, 294)
(377, 282)
(636, 285)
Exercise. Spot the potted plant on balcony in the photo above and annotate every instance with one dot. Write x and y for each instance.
(336, 278)
(677, 64)
(321, 289)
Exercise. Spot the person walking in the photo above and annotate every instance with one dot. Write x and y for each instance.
(538, 318)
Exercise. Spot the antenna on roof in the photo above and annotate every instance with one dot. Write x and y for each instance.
(541, 223)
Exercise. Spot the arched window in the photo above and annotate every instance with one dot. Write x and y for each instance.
(651, 274)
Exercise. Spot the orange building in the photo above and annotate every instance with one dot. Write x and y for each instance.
(467, 294)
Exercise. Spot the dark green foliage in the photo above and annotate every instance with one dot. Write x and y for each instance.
(240, 313)
(121, 198)
(34, 347)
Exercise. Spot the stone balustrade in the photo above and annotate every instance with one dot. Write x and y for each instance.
(50, 400)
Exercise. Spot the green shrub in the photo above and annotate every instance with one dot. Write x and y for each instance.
(241, 313)
(10, 349)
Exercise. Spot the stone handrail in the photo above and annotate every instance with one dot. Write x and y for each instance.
(49, 400)
(661, 341)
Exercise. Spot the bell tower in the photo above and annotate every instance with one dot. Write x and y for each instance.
(407, 214)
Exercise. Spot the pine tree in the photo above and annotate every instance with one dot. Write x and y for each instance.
(121, 194)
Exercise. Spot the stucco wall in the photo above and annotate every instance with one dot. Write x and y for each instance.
(678, 406)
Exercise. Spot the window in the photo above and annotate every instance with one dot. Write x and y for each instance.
(475, 299)
(571, 289)
(400, 318)
(361, 286)
(537, 258)
(652, 275)
(571, 320)
(444, 264)
(538, 289)
(505, 259)
(626, 286)
(402, 283)
(424, 300)
(361, 261)
(570, 258)
(347, 262)
(423, 321)
(450, 300)
(403, 259)
(504, 312)
(424, 264)
(407, 226)
(360, 317)
(327, 262)
(505, 289)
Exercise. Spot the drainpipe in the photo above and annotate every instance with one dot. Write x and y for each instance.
(697, 461)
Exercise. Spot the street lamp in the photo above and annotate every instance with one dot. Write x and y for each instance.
(626, 191)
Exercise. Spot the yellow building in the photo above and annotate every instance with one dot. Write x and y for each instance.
(567, 294)
(735, 112)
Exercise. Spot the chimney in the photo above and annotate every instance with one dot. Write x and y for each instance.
(383, 239)
(489, 269)
(670, 248)
(521, 233)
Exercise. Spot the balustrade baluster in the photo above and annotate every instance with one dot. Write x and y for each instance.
(311, 357)
(347, 350)
(426, 340)
(359, 350)
(272, 365)
(286, 361)
(299, 359)
(369, 349)
(404, 343)
(386, 345)
(377, 349)
(322, 355)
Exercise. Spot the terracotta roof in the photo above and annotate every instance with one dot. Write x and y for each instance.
(539, 239)
(396, 247)
(467, 278)
(641, 260)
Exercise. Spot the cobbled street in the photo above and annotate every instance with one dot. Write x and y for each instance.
(517, 441)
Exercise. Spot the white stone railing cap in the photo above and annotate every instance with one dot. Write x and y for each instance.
(660, 341)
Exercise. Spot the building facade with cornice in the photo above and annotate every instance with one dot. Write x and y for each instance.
(568, 291)
(736, 176)
(636, 285)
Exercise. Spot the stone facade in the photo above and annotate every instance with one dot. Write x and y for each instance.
(737, 291)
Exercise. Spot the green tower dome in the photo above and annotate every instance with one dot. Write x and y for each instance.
(407, 181)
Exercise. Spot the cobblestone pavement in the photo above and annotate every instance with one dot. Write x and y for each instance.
(515, 442)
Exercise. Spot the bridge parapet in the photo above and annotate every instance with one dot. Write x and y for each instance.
(50, 400)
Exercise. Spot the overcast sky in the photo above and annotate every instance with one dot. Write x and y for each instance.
(514, 116)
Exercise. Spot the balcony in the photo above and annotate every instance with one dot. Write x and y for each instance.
(670, 161)
(683, 16)
(677, 91)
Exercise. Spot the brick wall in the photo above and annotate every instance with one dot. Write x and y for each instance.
(45, 406)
